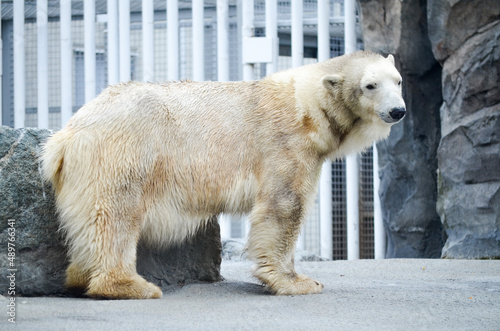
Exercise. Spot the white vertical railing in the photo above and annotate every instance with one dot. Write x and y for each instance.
(19, 66)
(272, 32)
(323, 30)
(89, 49)
(225, 226)
(198, 41)
(350, 26)
(325, 188)
(66, 59)
(378, 224)
(124, 24)
(325, 211)
(222, 41)
(297, 33)
(352, 183)
(42, 65)
(223, 76)
(352, 163)
(173, 39)
(113, 43)
(297, 61)
(148, 54)
(247, 32)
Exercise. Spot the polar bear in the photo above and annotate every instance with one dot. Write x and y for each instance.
(157, 160)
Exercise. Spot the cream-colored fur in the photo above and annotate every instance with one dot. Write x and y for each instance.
(158, 160)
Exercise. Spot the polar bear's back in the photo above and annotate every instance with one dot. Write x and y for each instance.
(173, 106)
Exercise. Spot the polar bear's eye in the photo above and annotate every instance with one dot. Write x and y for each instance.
(370, 87)
(399, 83)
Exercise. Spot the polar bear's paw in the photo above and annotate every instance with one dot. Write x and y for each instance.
(134, 287)
(297, 285)
(288, 283)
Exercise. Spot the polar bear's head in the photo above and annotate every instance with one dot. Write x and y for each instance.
(381, 90)
(371, 87)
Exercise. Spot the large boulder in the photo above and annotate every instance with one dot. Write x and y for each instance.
(465, 38)
(407, 159)
(39, 260)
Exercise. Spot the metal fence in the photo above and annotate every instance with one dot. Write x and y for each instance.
(49, 83)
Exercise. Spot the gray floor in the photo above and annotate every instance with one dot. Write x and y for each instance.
(358, 295)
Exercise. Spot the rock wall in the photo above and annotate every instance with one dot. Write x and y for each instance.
(407, 159)
(40, 255)
(465, 38)
(452, 126)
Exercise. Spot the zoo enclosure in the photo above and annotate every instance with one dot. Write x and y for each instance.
(57, 55)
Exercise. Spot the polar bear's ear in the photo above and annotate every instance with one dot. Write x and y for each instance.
(390, 58)
(331, 83)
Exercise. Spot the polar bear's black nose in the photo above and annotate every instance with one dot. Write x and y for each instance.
(397, 113)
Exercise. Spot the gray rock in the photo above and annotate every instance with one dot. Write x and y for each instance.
(196, 260)
(469, 158)
(40, 255)
(452, 22)
(470, 217)
(464, 37)
(407, 159)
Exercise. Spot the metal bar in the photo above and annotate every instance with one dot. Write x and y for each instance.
(223, 76)
(89, 49)
(173, 39)
(42, 64)
(222, 41)
(225, 226)
(325, 188)
(272, 32)
(378, 223)
(148, 67)
(352, 163)
(323, 30)
(350, 26)
(66, 60)
(325, 211)
(19, 66)
(297, 33)
(352, 183)
(247, 32)
(124, 24)
(198, 41)
(297, 61)
(113, 43)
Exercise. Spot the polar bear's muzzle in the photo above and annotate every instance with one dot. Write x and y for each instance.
(393, 116)
(397, 113)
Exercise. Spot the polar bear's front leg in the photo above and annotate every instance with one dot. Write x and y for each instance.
(275, 227)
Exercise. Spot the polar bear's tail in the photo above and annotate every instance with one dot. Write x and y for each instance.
(52, 159)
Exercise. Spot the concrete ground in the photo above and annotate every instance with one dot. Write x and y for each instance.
(359, 295)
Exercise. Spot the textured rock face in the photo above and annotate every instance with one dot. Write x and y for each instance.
(463, 36)
(469, 157)
(40, 255)
(452, 22)
(407, 161)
